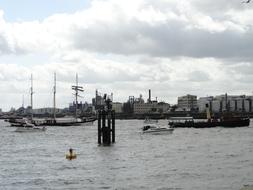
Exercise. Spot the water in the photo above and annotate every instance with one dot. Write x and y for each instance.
(217, 158)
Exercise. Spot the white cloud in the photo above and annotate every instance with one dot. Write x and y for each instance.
(127, 47)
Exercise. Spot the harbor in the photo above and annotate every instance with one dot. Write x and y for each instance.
(126, 95)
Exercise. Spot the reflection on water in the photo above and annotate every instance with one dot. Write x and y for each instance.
(216, 158)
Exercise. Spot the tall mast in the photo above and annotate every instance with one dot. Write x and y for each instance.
(54, 96)
(32, 97)
(76, 92)
(77, 88)
(23, 101)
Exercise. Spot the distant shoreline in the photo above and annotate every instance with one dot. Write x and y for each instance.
(129, 116)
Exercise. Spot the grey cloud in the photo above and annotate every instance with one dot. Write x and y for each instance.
(198, 76)
(171, 39)
(244, 69)
(89, 76)
(218, 7)
(4, 47)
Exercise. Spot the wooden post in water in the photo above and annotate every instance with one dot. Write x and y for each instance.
(106, 131)
(113, 126)
(108, 127)
(99, 127)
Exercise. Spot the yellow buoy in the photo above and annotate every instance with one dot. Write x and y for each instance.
(71, 155)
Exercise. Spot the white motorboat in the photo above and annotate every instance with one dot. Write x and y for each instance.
(29, 127)
(153, 129)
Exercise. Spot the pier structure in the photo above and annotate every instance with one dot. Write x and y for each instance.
(106, 124)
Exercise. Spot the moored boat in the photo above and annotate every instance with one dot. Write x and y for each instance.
(29, 127)
(231, 121)
(226, 120)
(68, 121)
(153, 129)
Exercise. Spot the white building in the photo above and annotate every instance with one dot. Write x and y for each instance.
(202, 101)
(117, 107)
(216, 106)
(163, 107)
(151, 107)
(235, 103)
(187, 102)
(140, 108)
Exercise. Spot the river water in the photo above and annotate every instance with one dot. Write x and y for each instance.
(197, 159)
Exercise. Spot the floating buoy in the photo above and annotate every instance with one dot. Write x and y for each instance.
(71, 155)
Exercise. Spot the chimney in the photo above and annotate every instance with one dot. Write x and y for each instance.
(149, 95)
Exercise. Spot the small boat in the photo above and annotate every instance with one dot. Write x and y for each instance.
(29, 127)
(154, 129)
(17, 122)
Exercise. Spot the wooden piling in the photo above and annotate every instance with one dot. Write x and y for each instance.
(99, 127)
(113, 126)
(106, 127)
(109, 126)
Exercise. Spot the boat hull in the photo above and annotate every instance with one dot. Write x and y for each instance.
(158, 131)
(240, 122)
(65, 122)
(30, 129)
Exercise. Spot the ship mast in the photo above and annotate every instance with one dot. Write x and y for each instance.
(54, 110)
(23, 101)
(77, 88)
(31, 97)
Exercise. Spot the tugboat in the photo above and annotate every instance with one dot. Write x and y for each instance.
(226, 120)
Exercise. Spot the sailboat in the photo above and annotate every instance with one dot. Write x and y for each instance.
(29, 125)
(67, 121)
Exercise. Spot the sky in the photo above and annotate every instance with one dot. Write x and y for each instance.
(124, 47)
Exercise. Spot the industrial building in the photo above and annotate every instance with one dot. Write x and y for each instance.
(151, 106)
(117, 107)
(187, 103)
(235, 103)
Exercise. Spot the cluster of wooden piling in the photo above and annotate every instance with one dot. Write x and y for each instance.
(106, 127)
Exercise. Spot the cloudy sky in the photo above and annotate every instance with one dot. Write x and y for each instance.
(125, 47)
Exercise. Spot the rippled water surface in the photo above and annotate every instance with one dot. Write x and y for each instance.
(217, 158)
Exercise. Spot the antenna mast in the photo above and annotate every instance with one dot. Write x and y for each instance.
(32, 97)
(54, 96)
(77, 88)
(23, 101)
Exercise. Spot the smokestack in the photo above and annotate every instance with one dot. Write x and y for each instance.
(149, 95)
(226, 101)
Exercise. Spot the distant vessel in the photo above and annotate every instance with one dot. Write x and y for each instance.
(154, 129)
(63, 121)
(29, 127)
(226, 120)
(223, 122)
(26, 125)
(67, 121)
(16, 122)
